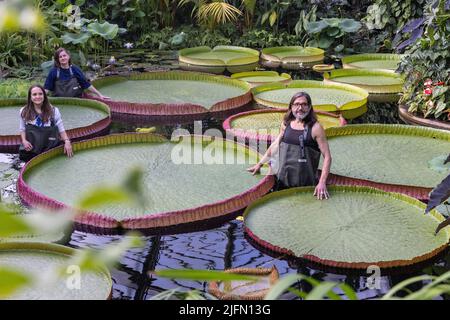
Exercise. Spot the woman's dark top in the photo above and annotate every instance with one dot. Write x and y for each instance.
(65, 75)
(292, 136)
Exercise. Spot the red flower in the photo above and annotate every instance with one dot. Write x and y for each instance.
(428, 83)
(440, 83)
(428, 91)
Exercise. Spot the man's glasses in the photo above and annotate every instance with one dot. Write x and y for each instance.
(300, 105)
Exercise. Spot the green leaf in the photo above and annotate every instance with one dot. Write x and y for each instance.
(332, 22)
(282, 285)
(402, 285)
(273, 18)
(102, 196)
(265, 17)
(339, 48)
(333, 31)
(321, 290)
(106, 30)
(325, 42)
(10, 281)
(75, 38)
(316, 26)
(437, 91)
(140, 14)
(348, 291)
(203, 275)
(46, 66)
(12, 224)
(349, 25)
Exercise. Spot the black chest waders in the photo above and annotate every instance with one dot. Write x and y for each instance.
(67, 88)
(297, 164)
(41, 138)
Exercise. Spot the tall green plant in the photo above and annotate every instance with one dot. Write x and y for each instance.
(212, 13)
(427, 62)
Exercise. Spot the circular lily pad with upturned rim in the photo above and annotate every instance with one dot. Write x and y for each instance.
(393, 158)
(264, 125)
(82, 119)
(256, 78)
(291, 57)
(196, 179)
(348, 100)
(220, 58)
(245, 290)
(380, 61)
(323, 67)
(383, 86)
(35, 259)
(173, 94)
(356, 228)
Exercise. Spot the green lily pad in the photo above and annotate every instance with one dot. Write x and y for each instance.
(39, 259)
(390, 154)
(355, 228)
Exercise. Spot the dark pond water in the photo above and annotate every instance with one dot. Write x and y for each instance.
(216, 248)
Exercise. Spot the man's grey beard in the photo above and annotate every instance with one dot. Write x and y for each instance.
(302, 116)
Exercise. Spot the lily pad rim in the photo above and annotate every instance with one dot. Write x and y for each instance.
(183, 56)
(342, 264)
(161, 108)
(55, 249)
(245, 135)
(269, 54)
(337, 73)
(301, 84)
(239, 75)
(347, 60)
(146, 221)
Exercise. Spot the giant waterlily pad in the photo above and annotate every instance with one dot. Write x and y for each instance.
(394, 157)
(37, 259)
(355, 228)
(349, 100)
(82, 118)
(256, 78)
(264, 125)
(383, 86)
(218, 59)
(293, 57)
(382, 61)
(173, 93)
(245, 290)
(183, 182)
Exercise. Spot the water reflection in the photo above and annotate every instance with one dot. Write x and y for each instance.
(216, 249)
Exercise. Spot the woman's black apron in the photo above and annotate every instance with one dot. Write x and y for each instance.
(67, 88)
(298, 160)
(42, 139)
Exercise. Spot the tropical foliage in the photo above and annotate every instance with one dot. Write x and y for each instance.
(427, 62)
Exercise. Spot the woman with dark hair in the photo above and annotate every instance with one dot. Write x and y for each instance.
(66, 79)
(41, 126)
(298, 146)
